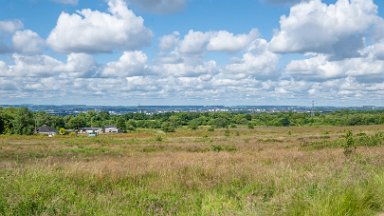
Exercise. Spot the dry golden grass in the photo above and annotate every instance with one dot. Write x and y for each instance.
(269, 164)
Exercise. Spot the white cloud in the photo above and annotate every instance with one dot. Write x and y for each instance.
(374, 51)
(77, 65)
(132, 63)
(70, 2)
(337, 29)
(194, 42)
(321, 68)
(224, 41)
(33, 66)
(258, 62)
(10, 26)
(160, 6)
(94, 31)
(188, 69)
(28, 42)
(169, 42)
(315, 68)
(197, 42)
(7, 85)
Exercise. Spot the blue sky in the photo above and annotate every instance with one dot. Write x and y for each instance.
(181, 52)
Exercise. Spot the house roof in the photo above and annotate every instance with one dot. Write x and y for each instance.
(91, 128)
(45, 129)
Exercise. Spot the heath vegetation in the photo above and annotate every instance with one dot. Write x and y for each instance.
(306, 170)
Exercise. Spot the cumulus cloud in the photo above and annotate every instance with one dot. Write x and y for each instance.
(258, 62)
(7, 85)
(10, 26)
(374, 51)
(224, 41)
(169, 42)
(132, 63)
(336, 29)
(197, 42)
(320, 68)
(160, 6)
(204, 69)
(90, 31)
(32, 66)
(28, 42)
(315, 68)
(342, 43)
(194, 42)
(77, 65)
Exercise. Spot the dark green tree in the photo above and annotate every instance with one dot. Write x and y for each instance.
(168, 127)
(1, 125)
(23, 122)
(120, 124)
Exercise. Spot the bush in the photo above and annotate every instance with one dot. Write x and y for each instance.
(159, 138)
(193, 125)
(168, 127)
(349, 144)
(227, 133)
(62, 131)
(217, 148)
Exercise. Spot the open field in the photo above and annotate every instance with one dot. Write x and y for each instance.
(239, 171)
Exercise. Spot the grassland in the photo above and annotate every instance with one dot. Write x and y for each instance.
(236, 171)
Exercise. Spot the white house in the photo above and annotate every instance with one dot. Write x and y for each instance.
(91, 130)
(111, 129)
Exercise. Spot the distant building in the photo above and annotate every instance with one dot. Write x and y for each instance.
(111, 129)
(91, 130)
(46, 130)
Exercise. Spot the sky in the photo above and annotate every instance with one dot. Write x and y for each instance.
(192, 52)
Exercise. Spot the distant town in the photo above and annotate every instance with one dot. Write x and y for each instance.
(118, 110)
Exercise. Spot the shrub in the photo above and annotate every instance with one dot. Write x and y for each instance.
(62, 131)
(349, 144)
(168, 127)
(227, 133)
(217, 148)
(159, 138)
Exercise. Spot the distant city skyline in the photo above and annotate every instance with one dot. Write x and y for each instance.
(192, 52)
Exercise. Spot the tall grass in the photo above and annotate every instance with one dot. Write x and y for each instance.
(188, 175)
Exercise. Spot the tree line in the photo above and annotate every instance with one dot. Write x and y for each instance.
(23, 121)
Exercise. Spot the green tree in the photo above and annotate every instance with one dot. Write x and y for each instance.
(168, 127)
(77, 122)
(23, 122)
(194, 124)
(120, 124)
(131, 125)
(284, 121)
(1, 125)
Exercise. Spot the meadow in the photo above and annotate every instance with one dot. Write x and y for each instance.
(235, 171)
